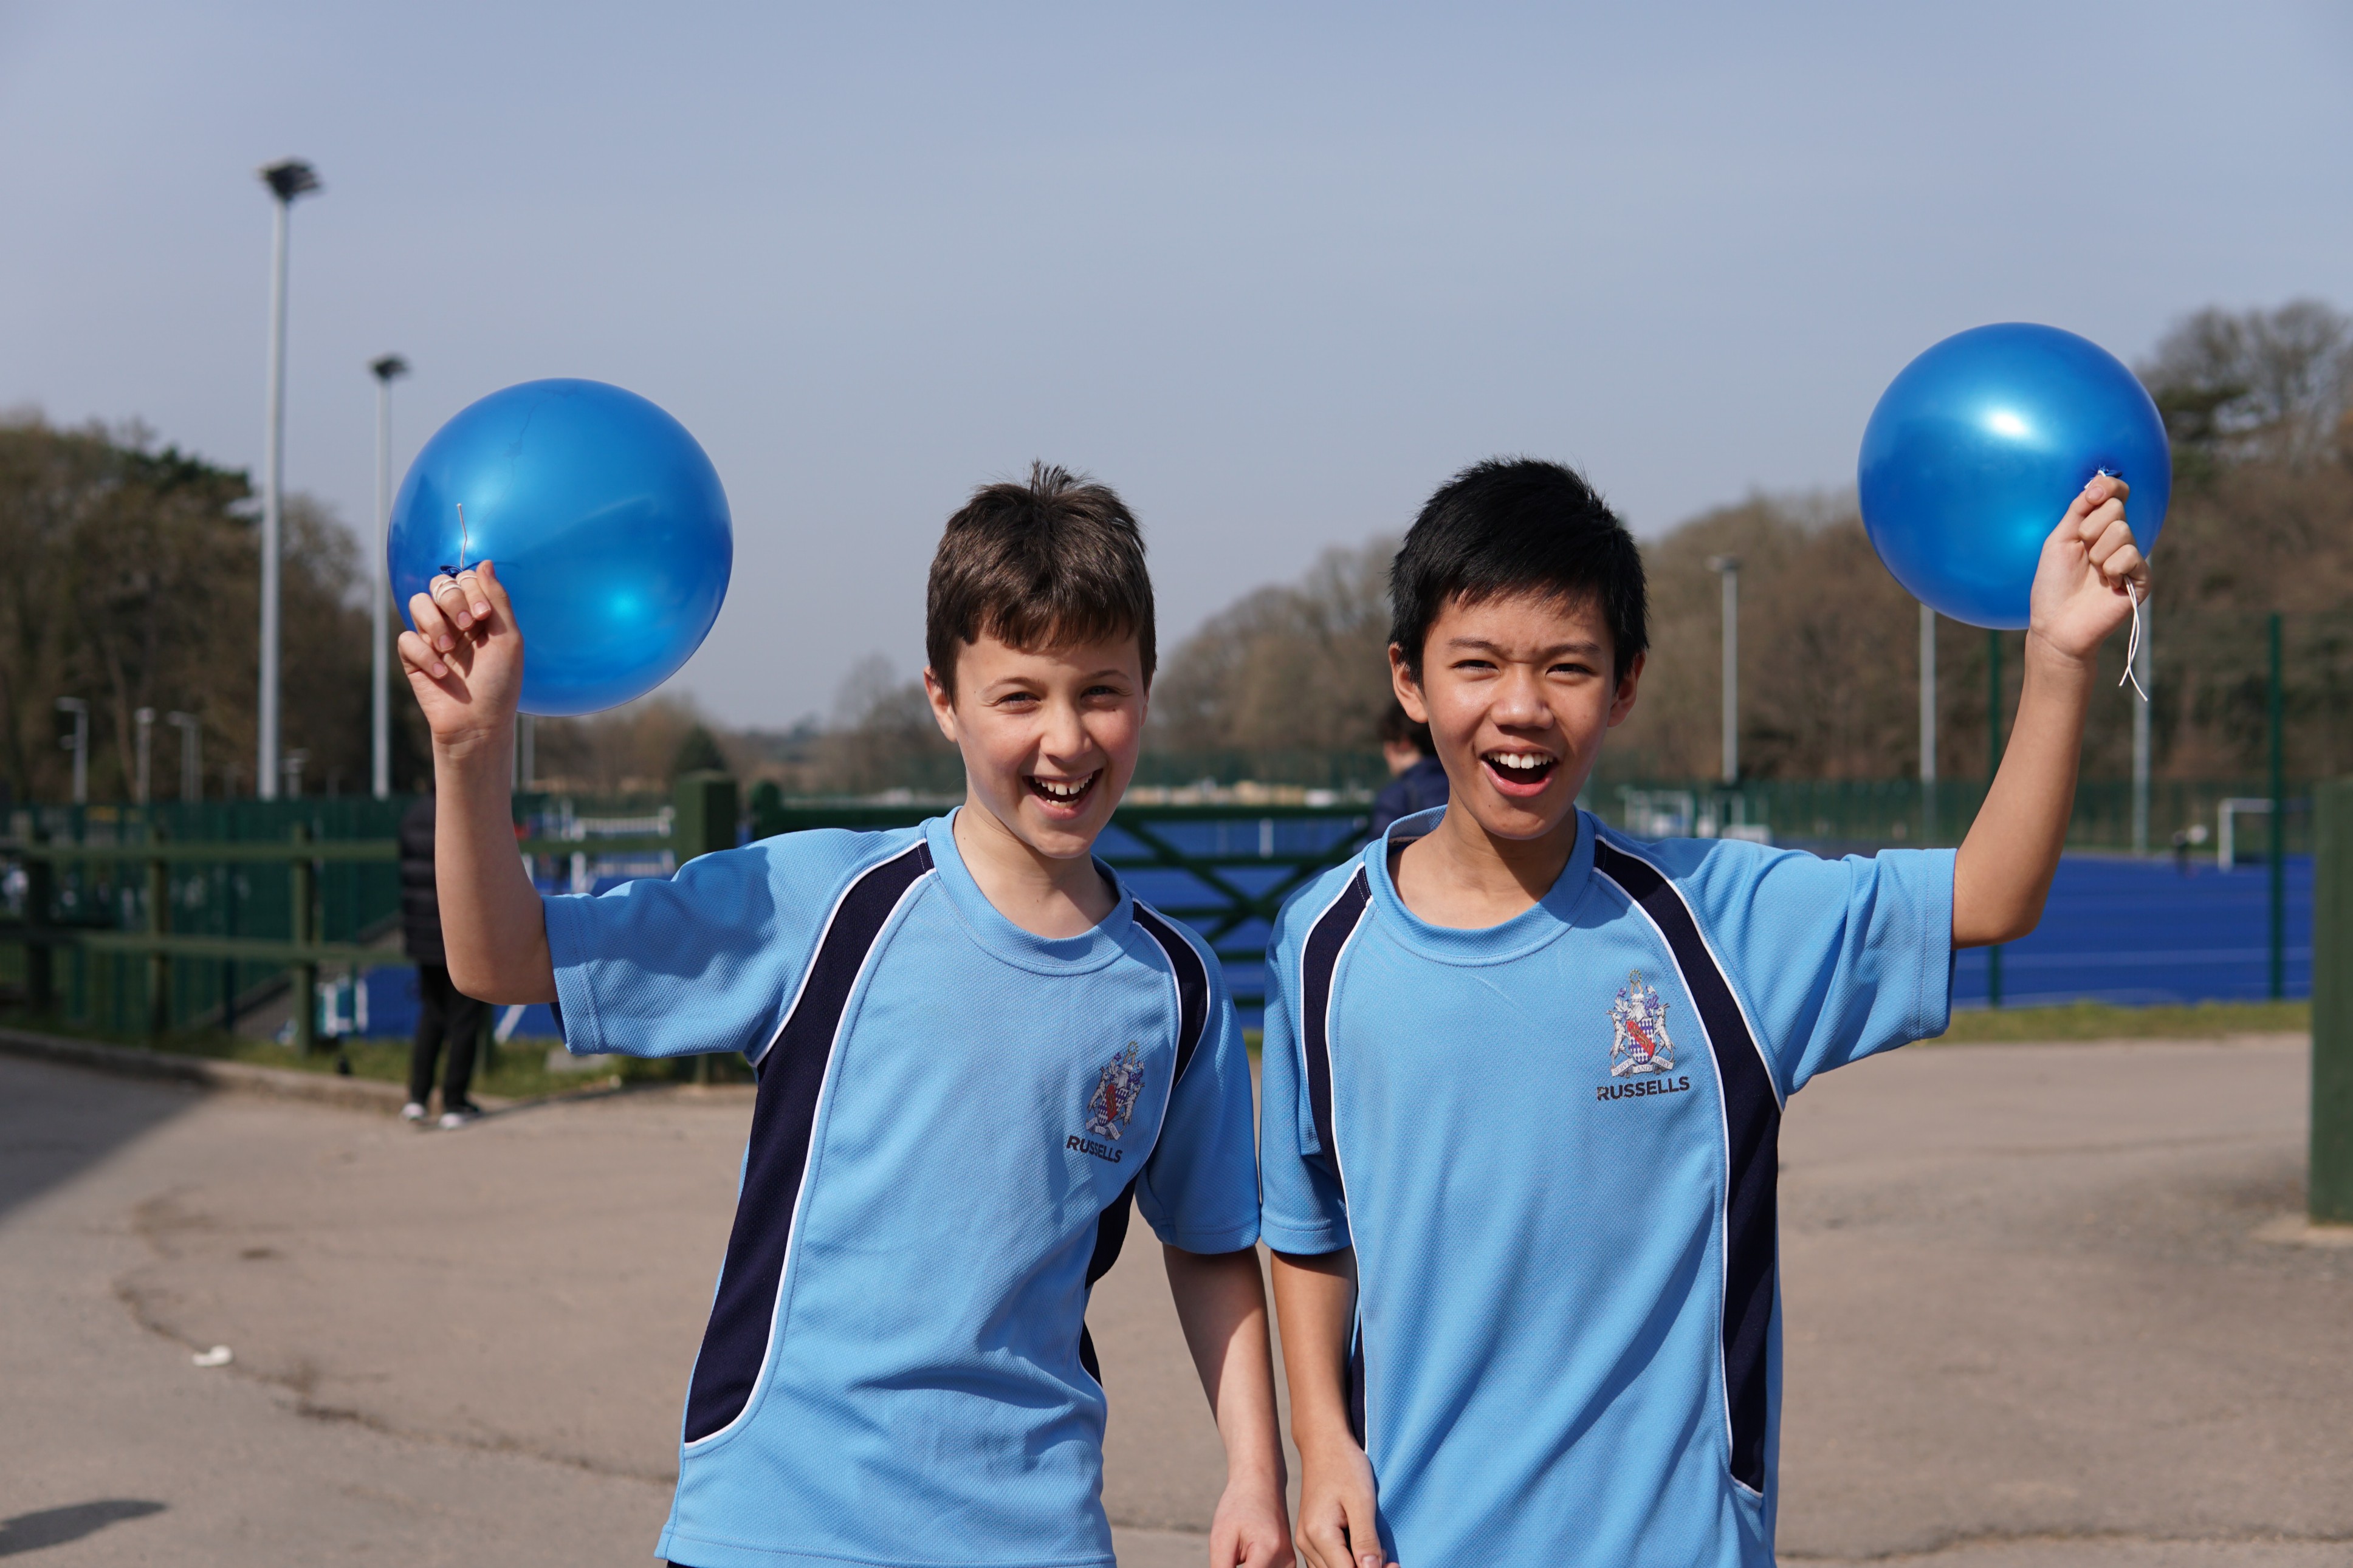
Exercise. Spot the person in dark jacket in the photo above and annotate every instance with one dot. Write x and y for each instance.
(1417, 779)
(441, 1012)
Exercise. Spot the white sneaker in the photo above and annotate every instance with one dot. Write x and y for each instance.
(458, 1115)
(412, 1111)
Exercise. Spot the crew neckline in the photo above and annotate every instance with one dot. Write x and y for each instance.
(1544, 922)
(1090, 949)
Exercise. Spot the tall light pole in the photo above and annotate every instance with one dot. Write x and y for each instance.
(2146, 674)
(1729, 566)
(78, 745)
(287, 179)
(379, 660)
(1927, 725)
(191, 753)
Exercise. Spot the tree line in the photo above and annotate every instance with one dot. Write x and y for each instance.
(132, 583)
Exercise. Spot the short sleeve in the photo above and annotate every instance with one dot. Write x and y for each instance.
(1301, 1209)
(1199, 1189)
(704, 961)
(1833, 960)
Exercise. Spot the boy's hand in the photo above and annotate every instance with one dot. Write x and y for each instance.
(1335, 1508)
(464, 660)
(2090, 572)
(1249, 1529)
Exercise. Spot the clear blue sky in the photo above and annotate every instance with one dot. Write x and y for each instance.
(1272, 270)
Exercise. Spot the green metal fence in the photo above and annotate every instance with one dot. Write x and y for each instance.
(169, 918)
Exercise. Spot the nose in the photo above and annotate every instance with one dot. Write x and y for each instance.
(1065, 736)
(1519, 699)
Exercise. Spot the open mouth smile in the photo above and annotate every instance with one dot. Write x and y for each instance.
(1519, 773)
(1063, 794)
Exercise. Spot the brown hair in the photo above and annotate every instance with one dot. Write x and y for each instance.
(1041, 566)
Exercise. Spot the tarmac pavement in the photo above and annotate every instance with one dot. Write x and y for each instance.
(2030, 1323)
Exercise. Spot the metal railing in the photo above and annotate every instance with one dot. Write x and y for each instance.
(104, 895)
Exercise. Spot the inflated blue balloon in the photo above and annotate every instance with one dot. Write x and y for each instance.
(1976, 449)
(604, 521)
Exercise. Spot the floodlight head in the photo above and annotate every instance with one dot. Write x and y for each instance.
(387, 367)
(1724, 563)
(289, 178)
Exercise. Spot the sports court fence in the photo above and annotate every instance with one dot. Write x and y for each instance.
(176, 917)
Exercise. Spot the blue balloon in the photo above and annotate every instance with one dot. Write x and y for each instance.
(604, 520)
(1976, 449)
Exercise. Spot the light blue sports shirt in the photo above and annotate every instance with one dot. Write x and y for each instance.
(1552, 1144)
(951, 1117)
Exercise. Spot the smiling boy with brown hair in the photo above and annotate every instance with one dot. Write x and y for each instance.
(975, 1048)
(1524, 1074)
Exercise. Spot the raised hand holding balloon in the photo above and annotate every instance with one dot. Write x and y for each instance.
(608, 523)
(1979, 446)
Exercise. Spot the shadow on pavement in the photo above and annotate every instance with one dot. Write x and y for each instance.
(58, 1121)
(56, 1526)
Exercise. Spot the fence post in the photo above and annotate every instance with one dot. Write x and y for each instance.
(706, 809)
(306, 974)
(159, 964)
(2329, 1194)
(41, 958)
(2279, 821)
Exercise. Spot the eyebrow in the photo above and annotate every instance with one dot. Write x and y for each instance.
(1484, 645)
(1109, 672)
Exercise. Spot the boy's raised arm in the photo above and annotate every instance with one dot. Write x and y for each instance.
(464, 661)
(1315, 1296)
(2084, 587)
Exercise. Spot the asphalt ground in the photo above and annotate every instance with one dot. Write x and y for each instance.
(2030, 1322)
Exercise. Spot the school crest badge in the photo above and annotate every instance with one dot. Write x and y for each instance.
(1639, 1044)
(1116, 1094)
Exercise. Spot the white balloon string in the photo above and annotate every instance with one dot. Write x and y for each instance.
(462, 560)
(2132, 643)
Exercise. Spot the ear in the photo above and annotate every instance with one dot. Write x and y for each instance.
(1408, 690)
(943, 705)
(1623, 702)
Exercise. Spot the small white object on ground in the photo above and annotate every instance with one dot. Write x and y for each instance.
(219, 1355)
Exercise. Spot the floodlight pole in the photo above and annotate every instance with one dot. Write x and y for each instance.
(191, 753)
(1927, 725)
(79, 745)
(379, 625)
(1729, 566)
(287, 179)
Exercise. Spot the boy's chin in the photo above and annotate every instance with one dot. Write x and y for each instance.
(1502, 816)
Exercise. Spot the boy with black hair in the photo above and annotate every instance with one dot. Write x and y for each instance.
(1524, 1074)
(974, 1047)
(1417, 778)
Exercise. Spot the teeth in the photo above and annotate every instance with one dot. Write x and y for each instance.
(1064, 789)
(1522, 760)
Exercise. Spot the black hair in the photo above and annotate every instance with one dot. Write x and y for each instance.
(1518, 525)
(1399, 728)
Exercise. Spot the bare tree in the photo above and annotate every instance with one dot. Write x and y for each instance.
(2256, 386)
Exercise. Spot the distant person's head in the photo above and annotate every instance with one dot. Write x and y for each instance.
(1039, 641)
(1405, 740)
(1518, 635)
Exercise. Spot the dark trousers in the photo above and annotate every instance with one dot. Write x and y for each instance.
(442, 1013)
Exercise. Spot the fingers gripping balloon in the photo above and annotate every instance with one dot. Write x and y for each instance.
(1976, 450)
(606, 523)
